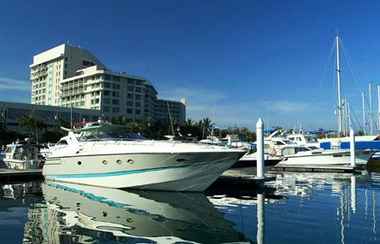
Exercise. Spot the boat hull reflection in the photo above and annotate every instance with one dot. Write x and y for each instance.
(155, 216)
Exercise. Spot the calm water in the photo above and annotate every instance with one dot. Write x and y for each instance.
(296, 208)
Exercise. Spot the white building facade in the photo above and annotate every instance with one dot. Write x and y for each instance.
(73, 77)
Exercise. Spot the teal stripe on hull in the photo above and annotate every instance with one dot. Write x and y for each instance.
(89, 195)
(117, 173)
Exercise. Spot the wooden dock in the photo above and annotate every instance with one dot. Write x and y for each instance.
(316, 168)
(12, 175)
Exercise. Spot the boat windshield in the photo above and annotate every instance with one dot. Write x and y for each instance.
(108, 132)
(311, 139)
(9, 149)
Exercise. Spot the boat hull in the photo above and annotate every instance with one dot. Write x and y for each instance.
(249, 160)
(21, 164)
(151, 171)
(326, 158)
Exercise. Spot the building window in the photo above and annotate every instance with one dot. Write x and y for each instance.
(106, 93)
(138, 104)
(106, 109)
(107, 85)
(130, 95)
(115, 101)
(130, 88)
(116, 86)
(115, 109)
(130, 103)
(129, 110)
(138, 97)
(115, 94)
(106, 100)
(137, 111)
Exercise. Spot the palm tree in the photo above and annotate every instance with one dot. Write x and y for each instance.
(32, 124)
(189, 123)
(206, 125)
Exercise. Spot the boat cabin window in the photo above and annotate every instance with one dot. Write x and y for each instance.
(293, 150)
(311, 139)
(108, 132)
(313, 147)
(25, 152)
(288, 151)
(8, 149)
(62, 142)
(302, 149)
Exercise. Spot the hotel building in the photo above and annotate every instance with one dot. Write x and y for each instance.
(71, 76)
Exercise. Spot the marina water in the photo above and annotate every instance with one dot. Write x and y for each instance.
(295, 208)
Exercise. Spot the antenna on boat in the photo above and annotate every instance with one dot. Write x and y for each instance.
(363, 113)
(370, 114)
(349, 122)
(170, 119)
(378, 107)
(339, 89)
(71, 116)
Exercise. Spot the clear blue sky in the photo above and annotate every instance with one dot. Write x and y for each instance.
(233, 60)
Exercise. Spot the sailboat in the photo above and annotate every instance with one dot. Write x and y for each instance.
(333, 154)
(366, 142)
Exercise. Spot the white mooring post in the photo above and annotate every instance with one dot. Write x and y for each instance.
(352, 147)
(229, 140)
(260, 149)
(353, 193)
(260, 219)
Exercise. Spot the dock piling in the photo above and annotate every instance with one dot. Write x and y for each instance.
(229, 140)
(260, 149)
(352, 148)
(260, 218)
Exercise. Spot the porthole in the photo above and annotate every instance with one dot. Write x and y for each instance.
(118, 161)
(105, 162)
(79, 163)
(130, 161)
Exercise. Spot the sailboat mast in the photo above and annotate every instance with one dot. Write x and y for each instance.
(370, 115)
(363, 113)
(349, 116)
(339, 112)
(378, 107)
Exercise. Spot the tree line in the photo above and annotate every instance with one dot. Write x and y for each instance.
(37, 129)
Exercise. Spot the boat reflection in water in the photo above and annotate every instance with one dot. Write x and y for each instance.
(91, 214)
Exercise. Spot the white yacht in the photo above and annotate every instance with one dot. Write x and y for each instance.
(272, 152)
(304, 139)
(106, 155)
(303, 155)
(22, 155)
